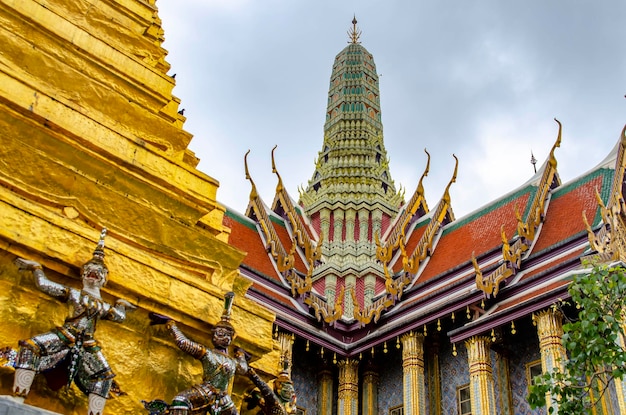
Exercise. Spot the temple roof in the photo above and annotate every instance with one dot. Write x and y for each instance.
(351, 268)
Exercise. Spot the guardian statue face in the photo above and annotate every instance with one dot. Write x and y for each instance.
(94, 274)
(286, 391)
(222, 337)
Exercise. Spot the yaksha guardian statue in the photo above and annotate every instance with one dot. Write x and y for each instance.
(279, 399)
(70, 352)
(219, 368)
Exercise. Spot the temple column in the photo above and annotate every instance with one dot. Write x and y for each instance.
(325, 393)
(550, 332)
(413, 384)
(348, 387)
(482, 390)
(370, 392)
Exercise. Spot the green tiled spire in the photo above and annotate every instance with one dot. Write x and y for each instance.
(352, 169)
(351, 196)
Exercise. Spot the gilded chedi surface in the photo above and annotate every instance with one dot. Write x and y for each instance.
(92, 138)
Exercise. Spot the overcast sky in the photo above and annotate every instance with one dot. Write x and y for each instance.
(480, 79)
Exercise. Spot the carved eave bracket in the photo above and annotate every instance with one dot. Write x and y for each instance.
(372, 311)
(323, 311)
(512, 253)
(257, 211)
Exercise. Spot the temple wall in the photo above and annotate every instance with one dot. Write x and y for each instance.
(305, 378)
(91, 139)
(390, 382)
(524, 350)
(454, 373)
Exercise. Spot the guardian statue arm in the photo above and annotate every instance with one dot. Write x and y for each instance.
(45, 285)
(188, 346)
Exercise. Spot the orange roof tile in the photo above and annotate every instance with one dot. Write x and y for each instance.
(245, 237)
(479, 233)
(564, 215)
(285, 240)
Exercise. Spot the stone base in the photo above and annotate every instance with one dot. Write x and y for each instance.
(10, 406)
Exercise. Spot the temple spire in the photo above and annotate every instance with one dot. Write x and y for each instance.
(354, 33)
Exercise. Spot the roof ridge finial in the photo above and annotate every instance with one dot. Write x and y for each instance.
(354, 33)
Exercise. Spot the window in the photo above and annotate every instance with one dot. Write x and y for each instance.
(533, 369)
(396, 410)
(463, 400)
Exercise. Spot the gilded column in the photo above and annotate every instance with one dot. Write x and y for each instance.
(325, 393)
(348, 387)
(413, 384)
(550, 331)
(482, 390)
(369, 402)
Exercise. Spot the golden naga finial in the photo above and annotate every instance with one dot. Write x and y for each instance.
(446, 194)
(279, 186)
(253, 192)
(552, 159)
(354, 33)
(420, 186)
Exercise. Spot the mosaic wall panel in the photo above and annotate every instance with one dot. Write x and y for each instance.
(390, 384)
(305, 380)
(524, 349)
(454, 373)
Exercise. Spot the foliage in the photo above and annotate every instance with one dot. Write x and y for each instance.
(594, 344)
